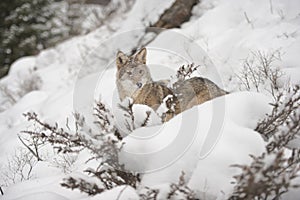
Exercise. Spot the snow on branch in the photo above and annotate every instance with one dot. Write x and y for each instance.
(283, 124)
(104, 147)
(178, 190)
(185, 72)
(272, 174)
(181, 189)
(268, 176)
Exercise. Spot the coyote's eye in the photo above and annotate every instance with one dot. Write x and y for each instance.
(129, 73)
(141, 71)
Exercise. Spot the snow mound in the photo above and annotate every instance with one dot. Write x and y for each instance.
(203, 142)
(42, 195)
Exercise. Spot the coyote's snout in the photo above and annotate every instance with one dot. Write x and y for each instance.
(134, 80)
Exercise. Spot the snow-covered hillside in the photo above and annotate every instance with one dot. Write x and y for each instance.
(203, 142)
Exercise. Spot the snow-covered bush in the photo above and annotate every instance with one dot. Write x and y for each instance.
(185, 72)
(268, 177)
(178, 190)
(273, 173)
(282, 125)
(131, 119)
(149, 194)
(103, 145)
(181, 190)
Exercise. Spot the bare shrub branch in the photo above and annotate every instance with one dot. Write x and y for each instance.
(146, 120)
(18, 167)
(127, 108)
(248, 20)
(33, 145)
(65, 162)
(259, 73)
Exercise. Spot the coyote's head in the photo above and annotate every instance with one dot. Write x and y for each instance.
(132, 73)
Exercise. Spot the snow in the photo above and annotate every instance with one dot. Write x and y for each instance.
(120, 192)
(204, 149)
(44, 195)
(48, 187)
(140, 114)
(22, 65)
(203, 141)
(228, 38)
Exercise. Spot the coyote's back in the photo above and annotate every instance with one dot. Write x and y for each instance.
(195, 91)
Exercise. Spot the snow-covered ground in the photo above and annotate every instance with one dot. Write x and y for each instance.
(203, 141)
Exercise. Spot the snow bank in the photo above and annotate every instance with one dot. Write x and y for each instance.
(120, 192)
(42, 195)
(227, 36)
(203, 142)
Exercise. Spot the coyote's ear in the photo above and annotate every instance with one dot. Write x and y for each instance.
(140, 57)
(121, 59)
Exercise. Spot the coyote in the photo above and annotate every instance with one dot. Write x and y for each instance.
(134, 80)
